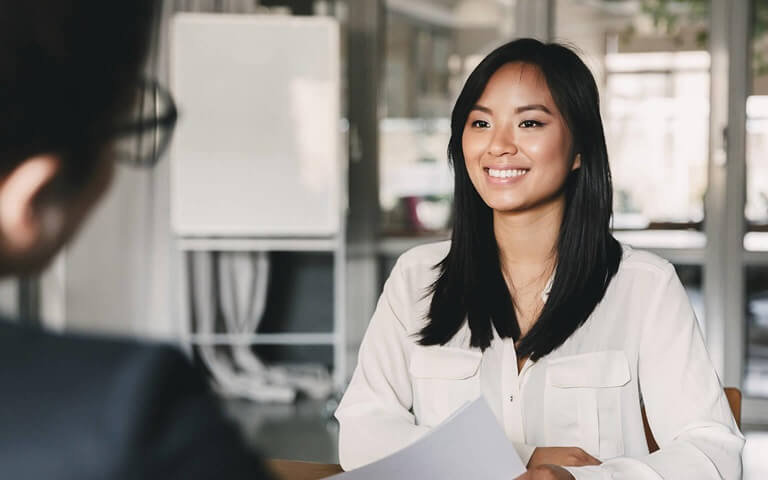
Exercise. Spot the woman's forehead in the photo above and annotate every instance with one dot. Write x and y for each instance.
(518, 83)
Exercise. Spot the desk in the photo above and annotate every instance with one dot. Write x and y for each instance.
(296, 470)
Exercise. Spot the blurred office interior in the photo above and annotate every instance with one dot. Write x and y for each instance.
(684, 91)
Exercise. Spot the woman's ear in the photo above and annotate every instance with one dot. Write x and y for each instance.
(23, 222)
(576, 162)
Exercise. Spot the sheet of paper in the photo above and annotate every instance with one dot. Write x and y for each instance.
(469, 445)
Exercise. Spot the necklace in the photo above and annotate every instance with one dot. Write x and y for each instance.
(545, 272)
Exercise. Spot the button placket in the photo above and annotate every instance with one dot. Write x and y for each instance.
(511, 383)
(520, 382)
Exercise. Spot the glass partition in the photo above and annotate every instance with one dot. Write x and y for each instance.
(431, 46)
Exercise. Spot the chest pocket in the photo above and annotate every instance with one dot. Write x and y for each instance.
(444, 379)
(582, 401)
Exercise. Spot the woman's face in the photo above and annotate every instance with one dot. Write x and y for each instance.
(516, 144)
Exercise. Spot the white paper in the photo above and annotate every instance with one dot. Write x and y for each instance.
(469, 445)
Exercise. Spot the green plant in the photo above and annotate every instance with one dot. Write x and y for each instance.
(670, 15)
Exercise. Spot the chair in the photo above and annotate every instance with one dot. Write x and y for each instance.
(734, 401)
(296, 470)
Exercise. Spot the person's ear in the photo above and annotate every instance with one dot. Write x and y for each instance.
(24, 221)
(576, 162)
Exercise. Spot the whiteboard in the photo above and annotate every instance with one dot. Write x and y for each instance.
(256, 148)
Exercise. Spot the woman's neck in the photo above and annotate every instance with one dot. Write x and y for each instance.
(528, 239)
(527, 244)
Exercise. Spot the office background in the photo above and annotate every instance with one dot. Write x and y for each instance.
(684, 88)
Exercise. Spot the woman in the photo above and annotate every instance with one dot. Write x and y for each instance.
(534, 305)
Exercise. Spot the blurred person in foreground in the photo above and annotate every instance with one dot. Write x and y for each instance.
(76, 407)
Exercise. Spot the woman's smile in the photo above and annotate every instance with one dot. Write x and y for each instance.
(505, 175)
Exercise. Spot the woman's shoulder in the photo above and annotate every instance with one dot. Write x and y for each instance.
(408, 288)
(424, 255)
(642, 262)
(418, 267)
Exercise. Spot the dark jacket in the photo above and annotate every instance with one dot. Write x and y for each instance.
(80, 408)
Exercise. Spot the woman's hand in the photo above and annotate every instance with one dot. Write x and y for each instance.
(546, 472)
(568, 456)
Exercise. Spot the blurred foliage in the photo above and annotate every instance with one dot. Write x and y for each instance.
(760, 40)
(669, 16)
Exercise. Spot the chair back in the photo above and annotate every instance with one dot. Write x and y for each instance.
(734, 401)
(297, 470)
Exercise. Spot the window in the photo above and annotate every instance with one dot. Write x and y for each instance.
(431, 47)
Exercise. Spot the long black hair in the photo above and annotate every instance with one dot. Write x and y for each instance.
(470, 285)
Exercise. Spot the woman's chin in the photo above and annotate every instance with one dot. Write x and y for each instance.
(506, 205)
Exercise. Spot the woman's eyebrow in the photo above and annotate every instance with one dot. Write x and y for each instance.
(536, 106)
(481, 109)
(521, 109)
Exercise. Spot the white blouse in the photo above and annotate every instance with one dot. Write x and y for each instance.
(641, 345)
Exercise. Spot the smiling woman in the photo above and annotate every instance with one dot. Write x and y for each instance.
(521, 140)
(535, 306)
(529, 112)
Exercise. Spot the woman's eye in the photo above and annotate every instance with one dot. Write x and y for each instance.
(480, 124)
(530, 124)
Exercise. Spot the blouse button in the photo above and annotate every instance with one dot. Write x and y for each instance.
(511, 398)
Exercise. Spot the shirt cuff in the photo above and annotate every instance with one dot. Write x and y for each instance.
(591, 472)
(525, 452)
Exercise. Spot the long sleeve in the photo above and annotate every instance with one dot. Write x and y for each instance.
(524, 451)
(375, 416)
(684, 400)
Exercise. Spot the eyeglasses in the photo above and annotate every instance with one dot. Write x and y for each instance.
(143, 136)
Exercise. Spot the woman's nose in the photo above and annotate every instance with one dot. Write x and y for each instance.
(502, 143)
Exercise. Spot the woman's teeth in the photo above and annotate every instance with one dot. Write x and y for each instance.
(506, 173)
